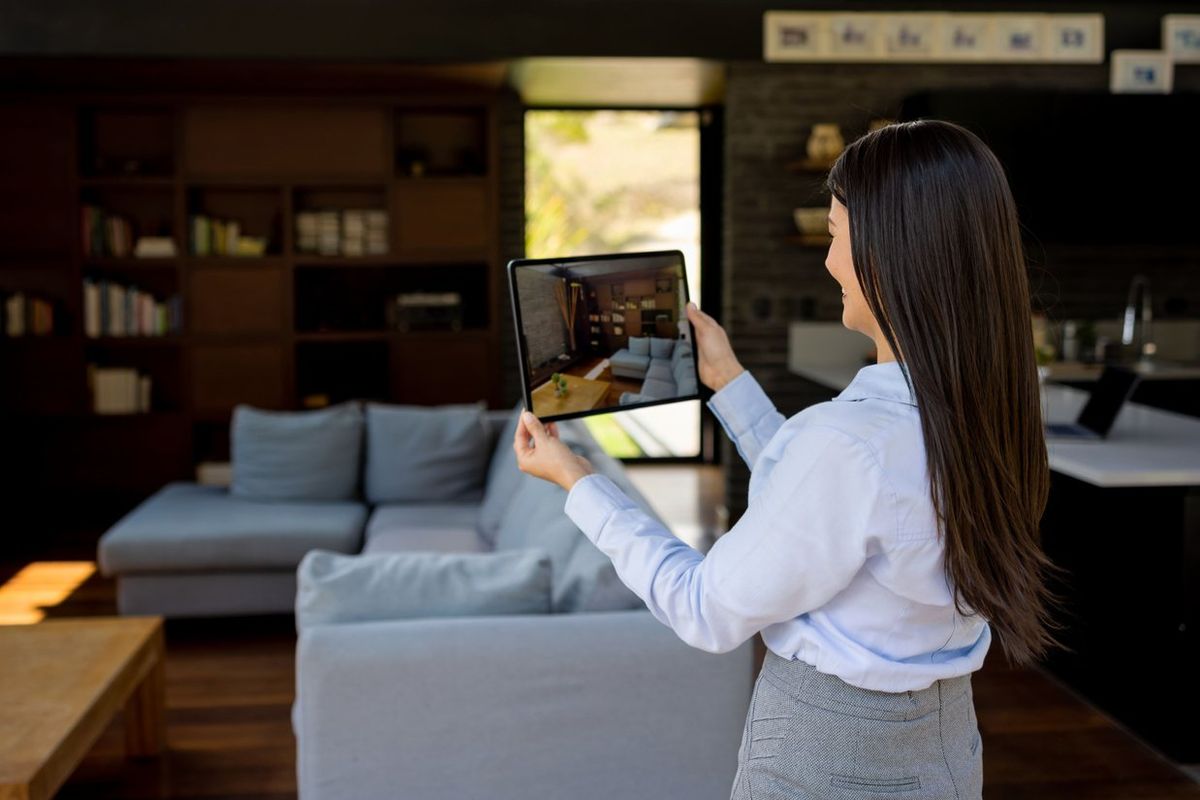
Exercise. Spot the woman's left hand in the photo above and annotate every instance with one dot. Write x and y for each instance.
(548, 458)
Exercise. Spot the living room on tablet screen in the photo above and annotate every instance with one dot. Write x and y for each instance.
(604, 333)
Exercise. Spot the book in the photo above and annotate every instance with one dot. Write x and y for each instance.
(91, 308)
(115, 390)
(155, 247)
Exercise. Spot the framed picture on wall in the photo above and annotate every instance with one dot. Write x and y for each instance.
(664, 285)
(617, 292)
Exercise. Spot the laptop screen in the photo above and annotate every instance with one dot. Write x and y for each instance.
(1110, 393)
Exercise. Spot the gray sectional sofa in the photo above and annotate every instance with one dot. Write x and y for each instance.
(400, 693)
(665, 366)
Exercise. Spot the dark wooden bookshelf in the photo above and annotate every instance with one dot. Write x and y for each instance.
(276, 330)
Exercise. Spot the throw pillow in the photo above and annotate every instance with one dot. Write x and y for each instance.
(335, 588)
(426, 453)
(296, 455)
(589, 582)
(535, 518)
(503, 477)
(660, 347)
(639, 345)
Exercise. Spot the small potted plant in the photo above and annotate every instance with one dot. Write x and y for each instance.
(560, 384)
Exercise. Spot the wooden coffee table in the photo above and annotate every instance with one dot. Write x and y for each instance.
(61, 683)
(582, 394)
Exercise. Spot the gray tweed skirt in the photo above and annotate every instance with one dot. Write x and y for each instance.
(812, 735)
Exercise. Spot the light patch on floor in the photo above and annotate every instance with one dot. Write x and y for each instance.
(42, 584)
(595, 373)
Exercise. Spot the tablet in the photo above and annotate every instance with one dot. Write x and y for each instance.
(603, 333)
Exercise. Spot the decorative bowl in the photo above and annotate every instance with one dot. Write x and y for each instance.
(811, 220)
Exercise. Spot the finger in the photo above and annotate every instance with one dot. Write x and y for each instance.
(695, 312)
(534, 426)
(521, 439)
(552, 429)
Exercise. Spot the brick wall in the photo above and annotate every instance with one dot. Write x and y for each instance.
(769, 111)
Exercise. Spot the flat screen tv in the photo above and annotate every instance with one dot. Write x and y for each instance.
(1087, 168)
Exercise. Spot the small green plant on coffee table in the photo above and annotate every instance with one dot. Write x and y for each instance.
(560, 384)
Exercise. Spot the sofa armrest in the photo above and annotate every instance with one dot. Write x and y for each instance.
(586, 705)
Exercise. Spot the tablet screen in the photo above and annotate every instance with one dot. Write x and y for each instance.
(603, 333)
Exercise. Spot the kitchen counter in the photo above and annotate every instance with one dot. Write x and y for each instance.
(1146, 446)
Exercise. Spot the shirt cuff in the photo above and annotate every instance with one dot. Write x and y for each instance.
(738, 400)
(592, 499)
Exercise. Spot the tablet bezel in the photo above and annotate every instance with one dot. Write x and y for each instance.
(522, 352)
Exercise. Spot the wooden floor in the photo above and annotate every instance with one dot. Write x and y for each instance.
(230, 685)
(617, 385)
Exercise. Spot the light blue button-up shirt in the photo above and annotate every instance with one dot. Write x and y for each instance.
(837, 559)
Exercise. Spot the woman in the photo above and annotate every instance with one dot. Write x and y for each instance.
(891, 531)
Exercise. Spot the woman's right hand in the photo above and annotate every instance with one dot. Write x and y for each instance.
(715, 358)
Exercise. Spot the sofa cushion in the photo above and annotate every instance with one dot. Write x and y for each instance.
(623, 360)
(426, 453)
(296, 455)
(658, 390)
(660, 347)
(536, 518)
(682, 350)
(589, 582)
(503, 477)
(660, 370)
(441, 527)
(185, 527)
(639, 345)
(334, 588)
(686, 386)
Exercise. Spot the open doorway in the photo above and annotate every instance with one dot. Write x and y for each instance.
(612, 181)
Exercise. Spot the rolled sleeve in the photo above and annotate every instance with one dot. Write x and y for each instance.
(592, 500)
(747, 415)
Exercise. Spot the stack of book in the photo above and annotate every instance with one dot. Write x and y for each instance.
(113, 309)
(118, 390)
(222, 237)
(106, 235)
(349, 232)
(24, 315)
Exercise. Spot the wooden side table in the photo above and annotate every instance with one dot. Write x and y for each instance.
(61, 683)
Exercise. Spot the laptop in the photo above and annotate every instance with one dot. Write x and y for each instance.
(1113, 388)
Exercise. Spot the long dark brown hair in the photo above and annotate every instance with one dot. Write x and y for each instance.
(937, 250)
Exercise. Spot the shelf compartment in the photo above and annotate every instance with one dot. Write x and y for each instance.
(129, 143)
(149, 210)
(341, 221)
(265, 140)
(233, 300)
(438, 142)
(256, 210)
(435, 214)
(330, 372)
(428, 371)
(357, 299)
(224, 375)
(162, 364)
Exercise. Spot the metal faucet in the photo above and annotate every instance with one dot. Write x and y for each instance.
(1137, 328)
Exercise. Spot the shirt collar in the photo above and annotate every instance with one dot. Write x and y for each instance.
(884, 381)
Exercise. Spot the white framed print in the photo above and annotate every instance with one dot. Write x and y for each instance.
(1020, 37)
(967, 37)
(855, 37)
(795, 36)
(1181, 37)
(1075, 37)
(1145, 71)
(911, 37)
